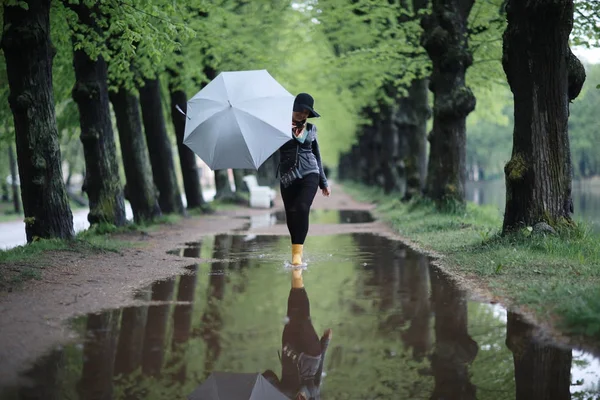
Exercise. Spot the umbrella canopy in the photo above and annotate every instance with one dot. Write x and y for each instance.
(239, 119)
(236, 386)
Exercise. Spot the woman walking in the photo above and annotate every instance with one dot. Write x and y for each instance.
(301, 173)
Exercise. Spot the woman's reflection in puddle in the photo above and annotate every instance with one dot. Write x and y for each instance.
(303, 353)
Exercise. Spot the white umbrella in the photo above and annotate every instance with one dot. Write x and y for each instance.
(239, 119)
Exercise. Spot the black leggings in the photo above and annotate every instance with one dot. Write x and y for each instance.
(297, 199)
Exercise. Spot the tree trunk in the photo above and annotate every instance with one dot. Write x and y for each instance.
(5, 195)
(454, 349)
(390, 156)
(102, 183)
(99, 356)
(541, 371)
(238, 175)
(543, 75)
(159, 147)
(187, 158)
(265, 175)
(29, 52)
(153, 352)
(14, 180)
(445, 40)
(222, 185)
(412, 121)
(139, 190)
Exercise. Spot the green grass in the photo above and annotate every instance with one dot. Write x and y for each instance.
(22, 263)
(556, 277)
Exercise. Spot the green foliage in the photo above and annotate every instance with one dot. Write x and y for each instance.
(586, 30)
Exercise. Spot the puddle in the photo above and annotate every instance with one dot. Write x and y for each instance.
(333, 217)
(400, 331)
(316, 217)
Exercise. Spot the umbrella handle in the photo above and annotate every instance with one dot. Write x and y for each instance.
(181, 111)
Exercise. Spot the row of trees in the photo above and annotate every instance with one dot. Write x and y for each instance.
(543, 75)
(91, 67)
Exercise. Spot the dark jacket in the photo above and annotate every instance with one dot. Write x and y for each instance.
(309, 156)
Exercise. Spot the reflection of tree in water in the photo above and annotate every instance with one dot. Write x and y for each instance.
(454, 348)
(402, 278)
(414, 285)
(44, 379)
(212, 321)
(393, 294)
(153, 352)
(99, 356)
(542, 371)
(182, 317)
(131, 338)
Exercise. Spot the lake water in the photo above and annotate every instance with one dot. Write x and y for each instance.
(586, 198)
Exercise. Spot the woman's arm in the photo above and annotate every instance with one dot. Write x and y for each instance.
(315, 149)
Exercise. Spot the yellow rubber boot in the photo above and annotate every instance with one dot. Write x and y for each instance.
(297, 254)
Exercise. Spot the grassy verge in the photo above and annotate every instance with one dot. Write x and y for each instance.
(557, 277)
(22, 263)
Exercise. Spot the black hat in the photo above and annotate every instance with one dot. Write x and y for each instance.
(304, 101)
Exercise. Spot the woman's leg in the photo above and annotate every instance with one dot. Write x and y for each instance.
(299, 211)
(289, 195)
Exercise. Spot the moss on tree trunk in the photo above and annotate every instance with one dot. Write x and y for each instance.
(28, 52)
(102, 183)
(139, 190)
(445, 40)
(543, 75)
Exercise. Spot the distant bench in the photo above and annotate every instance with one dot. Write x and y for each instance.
(260, 196)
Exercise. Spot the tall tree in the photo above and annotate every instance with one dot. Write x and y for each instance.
(102, 183)
(28, 52)
(159, 147)
(412, 128)
(139, 188)
(544, 75)
(187, 158)
(445, 40)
